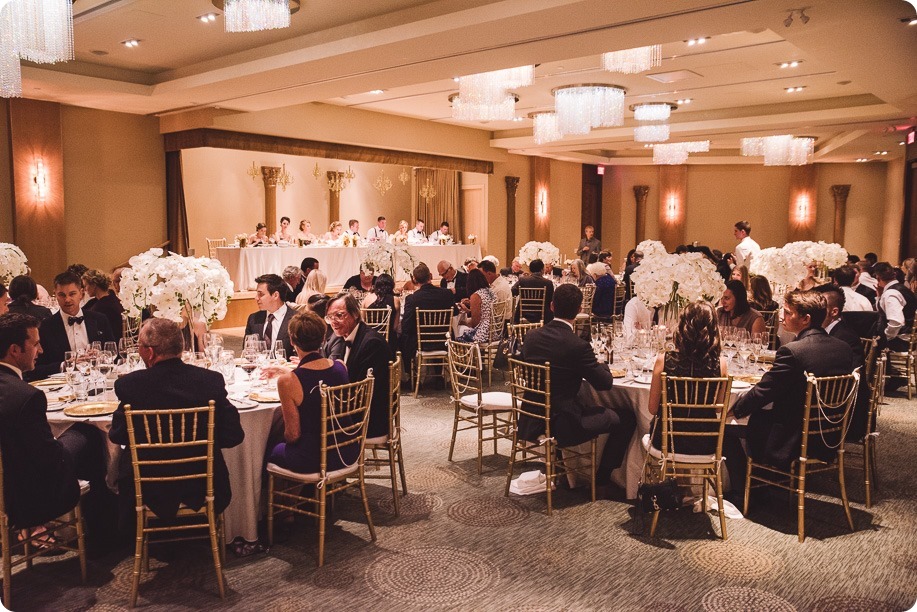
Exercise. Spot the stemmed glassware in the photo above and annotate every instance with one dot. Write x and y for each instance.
(728, 342)
(249, 361)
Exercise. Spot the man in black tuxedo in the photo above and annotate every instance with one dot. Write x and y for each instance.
(364, 350)
(774, 436)
(572, 361)
(71, 329)
(294, 280)
(170, 383)
(271, 321)
(453, 280)
(308, 264)
(427, 297)
(40, 473)
(536, 279)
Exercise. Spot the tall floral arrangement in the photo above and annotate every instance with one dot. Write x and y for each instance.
(12, 262)
(779, 266)
(385, 258)
(172, 285)
(545, 251)
(663, 279)
(825, 254)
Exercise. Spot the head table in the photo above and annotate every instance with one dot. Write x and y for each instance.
(338, 263)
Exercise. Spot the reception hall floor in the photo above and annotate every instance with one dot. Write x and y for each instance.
(460, 544)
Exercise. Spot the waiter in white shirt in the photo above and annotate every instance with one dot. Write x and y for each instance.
(378, 233)
(416, 235)
(747, 248)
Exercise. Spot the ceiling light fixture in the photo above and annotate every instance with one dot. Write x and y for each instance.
(697, 41)
(862, 159)
(795, 89)
(653, 111)
(675, 153)
(504, 110)
(544, 127)
(486, 97)
(783, 150)
(792, 64)
(39, 31)
(130, 43)
(880, 153)
(651, 133)
(590, 105)
(377, 92)
(207, 17)
(256, 15)
(633, 61)
(800, 13)
(683, 101)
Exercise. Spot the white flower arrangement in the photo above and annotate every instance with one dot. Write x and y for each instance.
(444, 240)
(545, 251)
(829, 255)
(651, 248)
(173, 285)
(241, 239)
(472, 238)
(384, 258)
(779, 265)
(662, 278)
(12, 262)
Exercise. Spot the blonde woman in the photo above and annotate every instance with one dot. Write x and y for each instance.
(305, 231)
(335, 230)
(315, 284)
(401, 236)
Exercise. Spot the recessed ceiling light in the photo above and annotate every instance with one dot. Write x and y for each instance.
(649, 145)
(862, 159)
(682, 101)
(130, 43)
(456, 79)
(901, 143)
(795, 89)
(518, 118)
(790, 64)
(697, 41)
(207, 17)
(377, 92)
(880, 153)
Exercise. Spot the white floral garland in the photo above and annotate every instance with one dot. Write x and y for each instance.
(12, 262)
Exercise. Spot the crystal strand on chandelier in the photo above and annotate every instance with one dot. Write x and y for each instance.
(651, 133)
(491, 88)
(580, 108)
(43, 30)
(652, 112)
(632, 61)
(256, 15)
(545, 128)
(468, 111)
(10, 71)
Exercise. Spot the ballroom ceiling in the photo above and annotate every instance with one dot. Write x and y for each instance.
(856, 65)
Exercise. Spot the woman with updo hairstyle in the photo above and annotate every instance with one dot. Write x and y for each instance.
(383, 296)
(734, 310)
(696, 355)
(305, 231)
(334, 232)
(23, 291)
(103, 300)
(301, 402)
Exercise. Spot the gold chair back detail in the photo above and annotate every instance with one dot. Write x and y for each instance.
(379, 319)
(390, 444)
(433, 328)
(531, 304)
(903, 364)
(213, 244)
(588, 294)
(771, 326)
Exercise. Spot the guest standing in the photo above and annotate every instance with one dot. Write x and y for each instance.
(589, 244)
(747, 248)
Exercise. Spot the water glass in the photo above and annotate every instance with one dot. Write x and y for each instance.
(78, 384)
(278, 347)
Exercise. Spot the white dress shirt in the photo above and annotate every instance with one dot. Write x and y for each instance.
(869, 280)
(377, 233)
(746, 250)
(892, 304)
(503, 292)
(416, 237)
(831, 326)
(636, 312)
(435, 236)
(278, 315)
(77, 335)
(348, 340)
(855, 302)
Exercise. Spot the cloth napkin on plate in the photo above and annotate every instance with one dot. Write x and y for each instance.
(529, 483)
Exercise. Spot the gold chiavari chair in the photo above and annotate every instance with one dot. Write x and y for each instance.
(903, 364)
(490, 348)
(829, 401)
(213, 244)
(173, 446)
(517, 334)
(468, 396)
(344, 419)
(692, 411)
(18, 550)
(771, 326)
(620, 299)
(531, 304)
(530, 386)
(875, 374)
(378, 318)
(433, 327)
(390, 443)
(588, 294)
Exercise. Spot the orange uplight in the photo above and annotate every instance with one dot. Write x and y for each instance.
(543, 202)
(40, 180)
(802, 208)
(671, 207)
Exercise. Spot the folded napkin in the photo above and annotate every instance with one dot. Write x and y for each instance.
(728, 508)
(529, 483)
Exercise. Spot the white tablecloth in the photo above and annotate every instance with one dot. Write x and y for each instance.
(338, 263)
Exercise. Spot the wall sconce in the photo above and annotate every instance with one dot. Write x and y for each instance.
(543, 203)
(802, 208)
(40, 180)
(671, 207)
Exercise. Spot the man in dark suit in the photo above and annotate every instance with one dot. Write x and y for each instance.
(536, 279)
(863, 272)
(427, 297)
(271, 321)
(308, 264)
(294, 280)
(40, 473)
(453, 280)
(572, 361)
(71, 329)
(364, 350)
(170, 383)
(774, 436)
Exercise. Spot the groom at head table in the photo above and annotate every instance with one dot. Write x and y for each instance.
(353, 228)
(273, 317)
(378, 233)
(442, 232)
(71, 329)
(416, 235)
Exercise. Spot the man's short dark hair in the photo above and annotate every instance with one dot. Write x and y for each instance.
(845, 275)
(421, 274)
(872, 258)
(809, 303)
(833, 290)
(487, 266)
(308, 264)
(67, 278)
(274, 283)
(744, 226)
(536, 266)
(444, 224)
(418, 221)
(853, 259)
(884, 271)
(14, 329)
(568, 298)
(352, 222)
(380, 218)
(506, 271)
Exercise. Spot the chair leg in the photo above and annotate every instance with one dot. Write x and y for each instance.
(215, 549)
(27, 550)
(747, 486)
(369, 517)
(7, 564)
(391, 465)
(654, 523)
(80, 538)
(494, 424)
(270, 509)
(801, 502)
(843, 483)
(404, 482)
(455, 423)
(719, 501)
(419, 361)
(549, 468)
(138, 558)
(509, 470)
(480, 441)
(867, 469)
(322, 506)
(592, 466)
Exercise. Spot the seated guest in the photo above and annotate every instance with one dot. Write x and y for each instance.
(335, 231)
(442, 232)
(774, 436)
(364, 350)
(866, 273)
(103, 300)
(572, 361)
(271, 321)
(301, 403)
(71, 329)
(515, 267)
(762, 298)
(383, 296)
(740, 273)
(79, 270)
(503, 293)
(116, 279)
(23, 294)
(696, 355)
(305, 231)
(470, 264)
(637, 316)
(477, 309)
(260, 237)
(318, 304)
(363, 281)
(283, 234)
(845, 277)
(632, 263)
(378, 233)
(4, 300)
(536, 279)
(40, 473)
(896, 306)
(725, 266)
(550, 271)
(867, 290)
(453, 280)
(603, 300)
(169, 383)
(314, 285)
(734, 310)
(401, 236)
(425, 297)
(416, 235)
(294, 280)
(308, 264)
(605, 258)
(835, 325)
(353, 228)
(810, 281)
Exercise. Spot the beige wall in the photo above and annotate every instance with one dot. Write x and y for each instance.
(619, 212)
(865, 205)
(114, 185)
(513, 165)
(566, 206)
(6, 188)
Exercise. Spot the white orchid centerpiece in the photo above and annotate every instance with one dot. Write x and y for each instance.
(385, 258)
(545, 251)
(779, 266)
(12, 262)
(666, 279)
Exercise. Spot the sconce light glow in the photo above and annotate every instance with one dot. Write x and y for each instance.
(671, 207)
(543, 202)
(802, 208)
(40, 179)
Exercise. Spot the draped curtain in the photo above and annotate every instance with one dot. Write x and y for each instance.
(176, 214)
(444, 206)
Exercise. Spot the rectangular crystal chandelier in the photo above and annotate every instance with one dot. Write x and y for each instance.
(782, 150)
(633, 61)
(255, 15)
(677, 152)
(580, 108)
(39, 31)
(545, 127)
(486, 96)
(651, 133)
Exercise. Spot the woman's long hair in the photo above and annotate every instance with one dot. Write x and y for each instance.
(697, 338)
(761, 293)
(741, 297)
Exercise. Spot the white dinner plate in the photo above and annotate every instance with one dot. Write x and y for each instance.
(56, 406)
(646, 379)
(740, 384)
(244, 404)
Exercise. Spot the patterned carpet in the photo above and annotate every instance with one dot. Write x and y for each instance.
(460, 544)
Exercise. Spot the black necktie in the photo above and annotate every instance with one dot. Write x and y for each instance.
(75, 320)
(269, 329)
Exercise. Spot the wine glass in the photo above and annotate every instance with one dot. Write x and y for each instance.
(249, 361)
(278, 349)
(134, 361)
(251, 340)
(744, 351)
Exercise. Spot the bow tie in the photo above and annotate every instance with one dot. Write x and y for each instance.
(348, 344)
(75, 320)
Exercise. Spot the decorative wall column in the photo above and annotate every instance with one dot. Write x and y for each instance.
(270, 174)
(334, 197)
(541, 202)
(803, 203)
(512, 183)
(641, 192)
(673, 192)
(840, 193)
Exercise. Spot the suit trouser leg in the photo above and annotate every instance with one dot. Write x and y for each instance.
(619, 424)
(85, 448)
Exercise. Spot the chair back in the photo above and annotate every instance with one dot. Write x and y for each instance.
(871, 354)
(465, 367)
(588, 294)
(213, 244)
(531, 304)
(829, 402)
(502, 310)
(394, 394)
(530, 386)
(620, 298)
(517, 334)
(863, 322)
(344, 419)
(171, 447)
(693, 414)
(875, 393)
(771, 325)
(130, 330)
(433, 327)
(378, 318)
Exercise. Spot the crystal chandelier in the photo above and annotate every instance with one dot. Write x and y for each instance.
(580, 108)
(677, 152)
(654, 111)
(632, 61)
(255, 15)
(486, 96)
(382, 183)
(783, 150)
(464, 110)
(651, 133)
(40, 31)
(427, 191)
(545, 128)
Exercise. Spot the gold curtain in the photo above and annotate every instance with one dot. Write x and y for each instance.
(444, 206)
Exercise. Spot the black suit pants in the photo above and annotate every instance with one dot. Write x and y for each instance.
(618, 423)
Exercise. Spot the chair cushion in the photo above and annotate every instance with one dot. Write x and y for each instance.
(491, 400)
(434, 353)
(314, 476)
(381, 440)
(655, 453)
